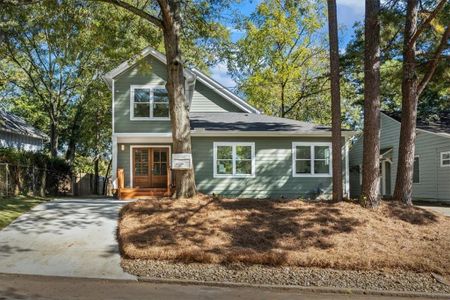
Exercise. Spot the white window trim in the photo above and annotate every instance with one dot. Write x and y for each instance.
(233, 145)
(442, 159)
(151, 88)
(311, 145)
(416, 156)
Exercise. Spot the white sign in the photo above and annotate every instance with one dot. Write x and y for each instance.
(181, 161)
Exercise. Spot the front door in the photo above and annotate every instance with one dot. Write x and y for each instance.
(150, 167)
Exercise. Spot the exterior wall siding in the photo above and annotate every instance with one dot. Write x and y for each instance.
(434, 181)
(206, 100)
(273, 176)
(152, 72)
(20, 142)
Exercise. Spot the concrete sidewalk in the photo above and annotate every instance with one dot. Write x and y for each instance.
(64, 237)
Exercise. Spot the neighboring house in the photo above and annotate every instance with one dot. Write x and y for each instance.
(431, 180)
(16, 133)
(236, 150)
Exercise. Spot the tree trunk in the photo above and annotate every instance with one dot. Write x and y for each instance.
(282, 100)
(43, 181)
(178, 105)
(105, 182)
(54, 139)
(335, 102)
(405, 167)
(96, 176)
(74, 135)
(370, 195)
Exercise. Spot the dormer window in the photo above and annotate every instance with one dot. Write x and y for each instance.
(149, 103)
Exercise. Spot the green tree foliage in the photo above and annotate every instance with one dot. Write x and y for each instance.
(53, 57)
(436, 96)
(281, 63)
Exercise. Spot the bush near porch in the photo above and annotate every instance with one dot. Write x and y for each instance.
(286, 232)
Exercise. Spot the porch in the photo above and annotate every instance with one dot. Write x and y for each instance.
(150, 173)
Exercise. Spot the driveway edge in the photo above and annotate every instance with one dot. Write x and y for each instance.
(309, 289)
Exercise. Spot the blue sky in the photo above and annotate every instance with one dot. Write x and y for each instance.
(349, 11)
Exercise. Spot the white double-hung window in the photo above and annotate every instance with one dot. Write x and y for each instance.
(311, 159)
(445, 159)
(234, 159)
(149, 102)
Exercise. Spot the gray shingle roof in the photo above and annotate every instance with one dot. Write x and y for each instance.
(231, 121)
(12, 123)
(437, 123)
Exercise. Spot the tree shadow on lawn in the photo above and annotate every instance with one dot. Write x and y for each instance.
(274, 225)
(411, 214)
(242, 230)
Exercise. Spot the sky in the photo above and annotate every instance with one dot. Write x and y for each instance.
(349, 12)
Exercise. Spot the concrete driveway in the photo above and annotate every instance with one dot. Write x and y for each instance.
(64, 237)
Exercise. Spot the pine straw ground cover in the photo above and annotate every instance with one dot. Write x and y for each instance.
(286, 233)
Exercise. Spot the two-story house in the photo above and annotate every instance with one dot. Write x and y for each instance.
(236, 150)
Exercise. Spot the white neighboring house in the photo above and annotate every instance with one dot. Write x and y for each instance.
(16, 133)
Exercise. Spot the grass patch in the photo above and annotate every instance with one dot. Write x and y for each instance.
(12, 207)
(286, 232)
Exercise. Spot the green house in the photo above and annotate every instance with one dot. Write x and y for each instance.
(236, 150)
(431, 178)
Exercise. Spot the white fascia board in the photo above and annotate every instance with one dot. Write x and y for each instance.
(191, 76)
(126, 65)
(126, 138)
(224, 92)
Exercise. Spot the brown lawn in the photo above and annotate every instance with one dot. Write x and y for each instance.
(286, 232)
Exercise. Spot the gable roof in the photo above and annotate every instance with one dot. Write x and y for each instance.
(14, 124)
(438, 123)
(191, 75)
(254, 123)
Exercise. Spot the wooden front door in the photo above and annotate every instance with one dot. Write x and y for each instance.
(150, 167)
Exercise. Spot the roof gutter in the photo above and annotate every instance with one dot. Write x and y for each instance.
(214, 133)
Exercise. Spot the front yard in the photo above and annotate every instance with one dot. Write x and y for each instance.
(12, 207)
(341, 236)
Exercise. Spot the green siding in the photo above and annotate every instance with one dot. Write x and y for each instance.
(434, 180)
(151, 71)
(207, 100)
(273, 176)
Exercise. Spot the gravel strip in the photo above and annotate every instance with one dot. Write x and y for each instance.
(313, 277)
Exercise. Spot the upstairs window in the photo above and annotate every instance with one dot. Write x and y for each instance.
(149, 102)
(311, 159)
(445, 159)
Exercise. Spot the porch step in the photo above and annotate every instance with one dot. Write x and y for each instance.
(142, 193)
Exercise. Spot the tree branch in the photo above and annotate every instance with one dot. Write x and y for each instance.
(427, 21)
(137, 11)
(432, 64)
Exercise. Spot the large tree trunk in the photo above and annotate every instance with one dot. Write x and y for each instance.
(335, 102)
(403, 184)
(370, 195)
(74, 135)
(54, 139)
(178, 105)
